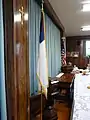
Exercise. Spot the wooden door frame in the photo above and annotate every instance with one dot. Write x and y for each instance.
(10, 64)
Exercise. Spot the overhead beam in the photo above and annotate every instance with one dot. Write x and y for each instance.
(52, 14)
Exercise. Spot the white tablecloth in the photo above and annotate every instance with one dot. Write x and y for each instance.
(81, 109)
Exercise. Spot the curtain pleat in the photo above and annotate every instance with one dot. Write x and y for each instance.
(53, 49)
(3, 112)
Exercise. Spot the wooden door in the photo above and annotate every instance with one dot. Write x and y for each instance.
(16, 59)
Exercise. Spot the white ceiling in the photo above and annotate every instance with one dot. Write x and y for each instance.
(70, 15)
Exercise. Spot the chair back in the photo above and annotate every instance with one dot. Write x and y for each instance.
(35, 104)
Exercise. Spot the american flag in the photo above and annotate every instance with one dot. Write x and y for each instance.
(63, 52)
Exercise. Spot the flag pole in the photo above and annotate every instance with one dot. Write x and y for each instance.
(41, 84)
(41, 103)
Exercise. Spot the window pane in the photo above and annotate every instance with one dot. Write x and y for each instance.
(87, 48)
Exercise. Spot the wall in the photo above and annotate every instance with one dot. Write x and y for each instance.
(2, 73)
(77, 43)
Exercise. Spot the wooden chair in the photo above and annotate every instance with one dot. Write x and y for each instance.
(48, 112)
(35, 105)
(55, 92)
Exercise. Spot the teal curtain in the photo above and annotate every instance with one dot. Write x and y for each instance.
(2, 72)
(52, 45)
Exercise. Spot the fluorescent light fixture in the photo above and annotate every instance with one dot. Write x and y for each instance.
(86, 7)
(86, 2)
(17, 17)
(85, 28)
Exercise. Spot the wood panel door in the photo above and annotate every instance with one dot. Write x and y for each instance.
(16, 59)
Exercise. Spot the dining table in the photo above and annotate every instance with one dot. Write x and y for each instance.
(81, 98)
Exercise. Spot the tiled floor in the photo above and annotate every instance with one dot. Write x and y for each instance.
(63, 111)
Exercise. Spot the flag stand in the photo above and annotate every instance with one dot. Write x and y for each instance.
(41, 103)
(49, 113)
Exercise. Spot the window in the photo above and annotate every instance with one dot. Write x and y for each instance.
(87, 48)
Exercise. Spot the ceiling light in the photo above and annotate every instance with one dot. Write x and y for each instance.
(17, 17)
(86, 2)
(85, 28)
(86, 7)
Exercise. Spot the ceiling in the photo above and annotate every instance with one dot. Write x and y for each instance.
(70, 15)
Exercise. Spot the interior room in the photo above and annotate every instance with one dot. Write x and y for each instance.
(45, 60)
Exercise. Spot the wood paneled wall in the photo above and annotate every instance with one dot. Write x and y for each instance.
(22, 64)
(77, 43)
(16, 61)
